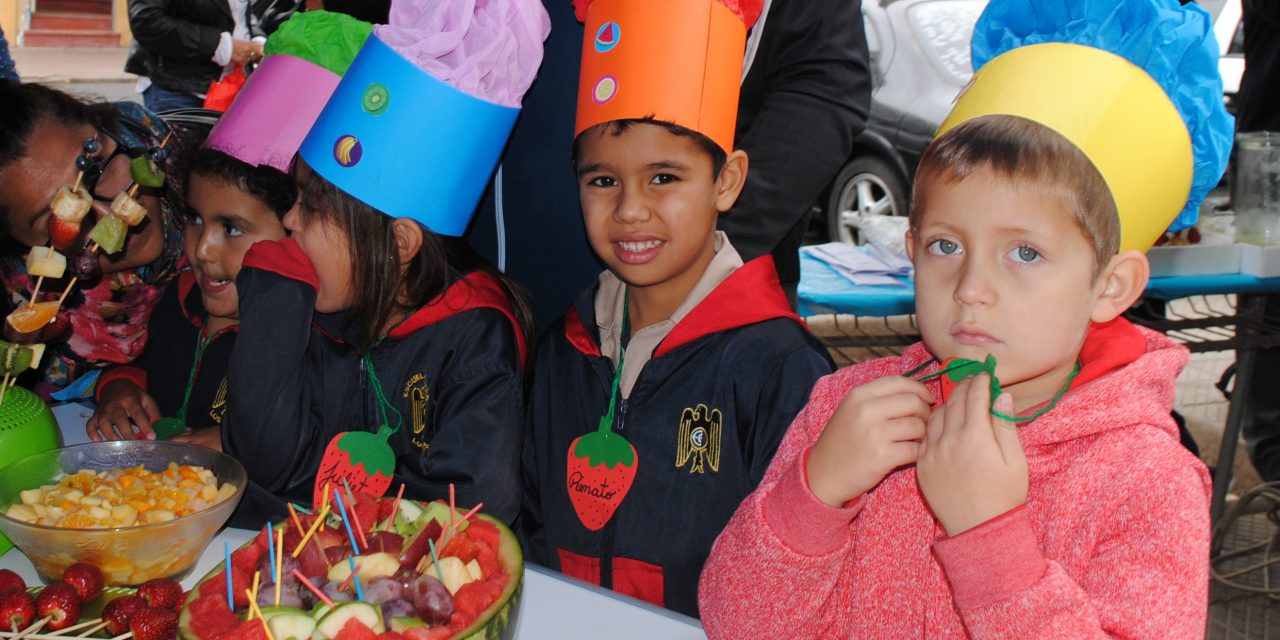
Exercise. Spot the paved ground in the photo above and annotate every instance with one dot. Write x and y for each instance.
(95, 73)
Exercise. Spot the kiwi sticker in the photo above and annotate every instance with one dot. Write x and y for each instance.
(698, 444)
(604, 90)
(607, 37)
(376, 99)
(347, 151)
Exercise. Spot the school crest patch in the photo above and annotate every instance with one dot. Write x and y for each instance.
(698, 444)
(418, 393)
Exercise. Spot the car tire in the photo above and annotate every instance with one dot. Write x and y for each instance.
(866, 186)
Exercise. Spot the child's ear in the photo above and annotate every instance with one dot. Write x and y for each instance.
(909, 241)
(1121, 284)
(409, 238)
(733, 176)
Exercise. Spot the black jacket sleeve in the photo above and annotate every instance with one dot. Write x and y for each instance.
(805, 97)
(156, 27)
(783, 393)
(477, 404)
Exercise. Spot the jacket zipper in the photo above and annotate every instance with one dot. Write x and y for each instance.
(606, 546)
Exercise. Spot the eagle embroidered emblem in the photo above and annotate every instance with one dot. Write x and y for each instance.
(699, 441)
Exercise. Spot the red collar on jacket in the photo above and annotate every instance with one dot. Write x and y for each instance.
(476, 290)
(1108, 346)
(749, 295)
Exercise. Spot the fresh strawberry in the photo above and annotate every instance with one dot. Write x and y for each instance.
(602, 465)
(56, 328)
(162, 593)
(11, 581)
(154, 624)
(385, 505)
(120, 611)
(62, 234)
(86, 579)
(255, 629)
(60, 603)
(17, 610)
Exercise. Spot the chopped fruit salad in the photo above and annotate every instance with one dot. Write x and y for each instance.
(121, 497)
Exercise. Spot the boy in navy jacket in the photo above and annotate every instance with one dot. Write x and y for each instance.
(658, 401)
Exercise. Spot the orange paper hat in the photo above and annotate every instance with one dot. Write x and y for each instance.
(678, 61)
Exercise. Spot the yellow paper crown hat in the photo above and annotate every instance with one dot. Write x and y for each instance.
(1133, 84)
(677, 61)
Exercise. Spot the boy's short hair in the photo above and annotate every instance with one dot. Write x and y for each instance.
(272, 187)
(619, 127)
(1023, 150)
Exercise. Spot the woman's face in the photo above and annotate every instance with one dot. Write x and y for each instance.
(50, 162)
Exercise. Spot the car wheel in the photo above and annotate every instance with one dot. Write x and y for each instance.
(867, 186)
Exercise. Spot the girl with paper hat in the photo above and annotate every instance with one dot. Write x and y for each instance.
(1016, 474)
(238, 189)
(374, 318)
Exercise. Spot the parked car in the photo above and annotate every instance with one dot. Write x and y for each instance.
(920, 60)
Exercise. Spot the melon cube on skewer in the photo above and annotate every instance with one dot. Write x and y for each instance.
(128, 209)
(71, 206)
(109, 234)
(45, 262)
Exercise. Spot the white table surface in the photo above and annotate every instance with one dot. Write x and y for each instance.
(554, 606)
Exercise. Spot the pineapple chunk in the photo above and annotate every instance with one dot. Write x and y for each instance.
(71, 207)
(21, 512)
(128, 209)
(99, 513)
(226, 491)
(44, 261)
(31, 496)
(124, 515)
(159, 515)
(37, 353)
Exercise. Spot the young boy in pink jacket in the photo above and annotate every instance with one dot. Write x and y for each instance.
(914, 499)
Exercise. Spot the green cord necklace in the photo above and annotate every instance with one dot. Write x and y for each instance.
(958, 369)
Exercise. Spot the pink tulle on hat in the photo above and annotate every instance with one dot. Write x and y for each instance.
(489, 49)
(748, 10)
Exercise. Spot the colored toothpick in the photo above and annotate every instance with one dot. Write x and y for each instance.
(312, 587)
(231, 598)
(271, 546)
(435, 560)
(279, 565)
(468, 515)
(300, 508)
(355, 578)
(253, 601)
(297, 523)
(314, 525)
(395, 508)
(346, 522)
(453, 509)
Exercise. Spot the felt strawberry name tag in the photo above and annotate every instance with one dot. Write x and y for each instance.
(358, 459)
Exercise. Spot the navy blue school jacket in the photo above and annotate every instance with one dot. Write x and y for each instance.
(164, 368)
(738, 367)
(453, 370)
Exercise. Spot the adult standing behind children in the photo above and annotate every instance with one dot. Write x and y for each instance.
(904, 502)
(658, 401)
(374, 315)
(46, 135)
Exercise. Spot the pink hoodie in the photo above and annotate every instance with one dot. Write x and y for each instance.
(1112, 542)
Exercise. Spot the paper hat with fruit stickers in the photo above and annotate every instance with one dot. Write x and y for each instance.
(417, 124)
(678, 61)
(1133, 84)
(275, 109)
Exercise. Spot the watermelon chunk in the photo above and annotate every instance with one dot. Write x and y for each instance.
(209, 617)
(255, 629)
(216, 586)
(461, 547)
(355, 630)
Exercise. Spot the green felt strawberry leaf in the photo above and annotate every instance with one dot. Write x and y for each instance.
(961, 368)
(605, 448)
(370, 450)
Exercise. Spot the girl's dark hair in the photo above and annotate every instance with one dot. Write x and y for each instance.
(380, 290)
(274, 188)
(23, 106)
(619, 127)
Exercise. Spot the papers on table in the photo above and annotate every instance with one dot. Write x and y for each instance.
(863, 265)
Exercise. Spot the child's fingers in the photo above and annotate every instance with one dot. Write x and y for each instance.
(977, 405)
(907, 429)
(901, 453)
(1005, 432)
(150, 412)
(893, 385)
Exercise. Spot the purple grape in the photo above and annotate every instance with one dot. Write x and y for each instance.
(382, 589)
(406, 578)
(432, 600)
(287, 567)
(330, 589)
(85, 266)
(289, 595)
(397, 608)
(19, 337)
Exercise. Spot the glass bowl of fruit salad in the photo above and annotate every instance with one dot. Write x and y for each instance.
(138, 509)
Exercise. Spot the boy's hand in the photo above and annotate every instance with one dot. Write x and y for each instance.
(210, 437)
(972, 467)
(877, 428)
(121, 407)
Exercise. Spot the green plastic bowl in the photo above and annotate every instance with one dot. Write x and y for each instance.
(26, 427)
